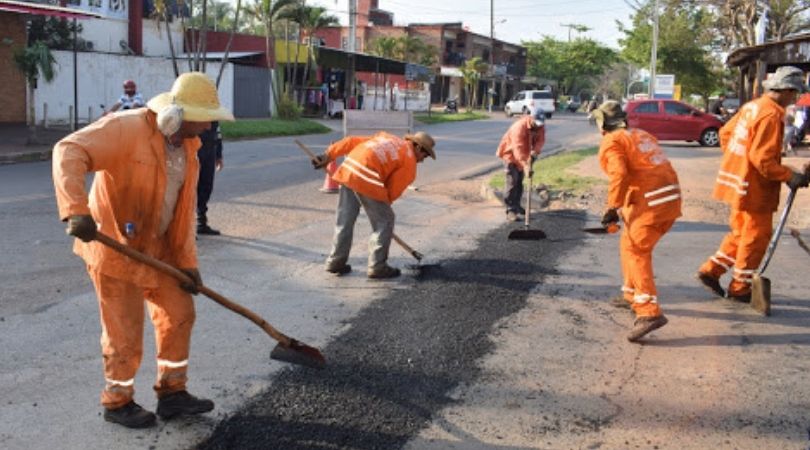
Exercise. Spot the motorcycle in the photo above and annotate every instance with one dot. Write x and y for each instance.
(451, 106)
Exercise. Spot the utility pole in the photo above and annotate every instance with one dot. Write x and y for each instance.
(653, 56)
(352, 48)
(491, 51)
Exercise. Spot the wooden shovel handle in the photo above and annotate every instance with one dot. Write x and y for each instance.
(282, 339)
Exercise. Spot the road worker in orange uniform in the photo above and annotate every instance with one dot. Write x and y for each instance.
(749, 180)
(518, 148)
(376, 171)
(644, 188)
(143, 195)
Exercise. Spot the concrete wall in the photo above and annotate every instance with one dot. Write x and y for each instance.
(12, 81)
(106, 35)
(100, 77)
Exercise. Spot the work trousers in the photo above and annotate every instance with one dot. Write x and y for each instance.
(741, 249)
(207, 155)
(513, 188)
(122, 313)
(638, 240)
(381, 216)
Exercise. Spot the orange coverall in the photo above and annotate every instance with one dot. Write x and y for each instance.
(750, 177)
(379, 166)
(644, 185)
(127, 152)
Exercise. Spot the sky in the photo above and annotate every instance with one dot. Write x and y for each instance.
(515, 20)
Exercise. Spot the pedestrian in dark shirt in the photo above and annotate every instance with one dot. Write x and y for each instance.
(210, 156)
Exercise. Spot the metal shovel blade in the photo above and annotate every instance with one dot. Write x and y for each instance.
(299, 353)
(527, 235)
(596, 230)
(761, 294)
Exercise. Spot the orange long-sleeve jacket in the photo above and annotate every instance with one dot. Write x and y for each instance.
(751, 171)
(520, 142)
(127, 152)
(641, 178)
(379, 166)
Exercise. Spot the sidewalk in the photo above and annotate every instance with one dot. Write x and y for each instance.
(14, 147)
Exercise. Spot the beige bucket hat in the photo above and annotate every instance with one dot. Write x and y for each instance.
(786, 77)
(424, 140)
(197, 95)
(609, 113)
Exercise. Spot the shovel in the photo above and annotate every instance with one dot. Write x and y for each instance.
(288, 349)
(527, 234)
(609, 229)
(418, 256)
(761, 286)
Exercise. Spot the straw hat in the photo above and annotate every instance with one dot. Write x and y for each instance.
(609, 113)
(785, 77)
(424, 140)
(196, 94)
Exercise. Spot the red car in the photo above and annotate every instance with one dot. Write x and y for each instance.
(671, 120)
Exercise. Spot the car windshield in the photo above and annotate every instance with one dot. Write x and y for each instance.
(541, 94)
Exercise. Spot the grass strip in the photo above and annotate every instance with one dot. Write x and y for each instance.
(440, 117)
(553, 172)
(257, 128)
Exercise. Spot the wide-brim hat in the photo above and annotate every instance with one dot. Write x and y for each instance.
(785, 78)
(424, 140)
(197, 95)
(609, 113)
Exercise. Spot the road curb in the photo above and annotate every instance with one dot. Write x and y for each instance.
(24, 157)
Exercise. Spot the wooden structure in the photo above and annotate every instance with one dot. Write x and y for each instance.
(754, 63)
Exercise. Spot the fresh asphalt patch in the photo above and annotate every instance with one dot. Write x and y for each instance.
(395, 367)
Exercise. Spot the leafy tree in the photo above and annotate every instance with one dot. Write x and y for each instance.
(736, 20)
(56, 33)
(573, 65)
(34, 61)
(685, 42)
(314, 18)
(471, 72)
(267, 12)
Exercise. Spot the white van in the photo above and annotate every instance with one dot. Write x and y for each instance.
(526, 102)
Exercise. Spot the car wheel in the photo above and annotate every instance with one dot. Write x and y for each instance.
(710, 138)
(525, 110)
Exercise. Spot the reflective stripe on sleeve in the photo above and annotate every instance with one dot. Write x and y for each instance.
(668, 198)
(671, 187)
(172, 364)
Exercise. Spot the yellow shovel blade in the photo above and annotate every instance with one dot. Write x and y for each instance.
(761, 295)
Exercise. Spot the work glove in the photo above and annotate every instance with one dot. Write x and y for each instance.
(82, 226)
(610, 216)
(194, 274)
(320, 161)
(798, 180)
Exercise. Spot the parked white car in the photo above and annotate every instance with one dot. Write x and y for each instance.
(526, 102)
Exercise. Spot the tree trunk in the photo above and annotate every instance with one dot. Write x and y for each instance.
(287, 69)
(270, 54)
(32, 116)
(230, 40)
(188, 47)
(171, 44)
(305, 80)
(202, 44)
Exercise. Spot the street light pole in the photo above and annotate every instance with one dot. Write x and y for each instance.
(653, 56)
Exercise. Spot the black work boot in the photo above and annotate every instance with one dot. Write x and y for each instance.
(203, 228)
(339, 270)
(130, 415)
(385, 271)
(178, 403)
(711, 284)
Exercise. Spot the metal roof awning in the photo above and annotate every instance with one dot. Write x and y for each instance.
(340, 59)
(45, 10)
(217, 56)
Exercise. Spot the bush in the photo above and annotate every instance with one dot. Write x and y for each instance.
(288, 109)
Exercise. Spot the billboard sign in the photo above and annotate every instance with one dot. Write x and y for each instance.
(664, 86)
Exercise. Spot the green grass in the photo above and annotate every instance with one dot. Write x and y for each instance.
(441, 117)
(553, 172)
(256, 128)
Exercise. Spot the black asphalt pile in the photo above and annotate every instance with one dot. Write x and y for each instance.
(393, 369)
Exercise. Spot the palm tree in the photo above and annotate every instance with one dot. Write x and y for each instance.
(384, 47)
(315, 18)
(471, 71)
(295, 14)
(268, 12)
(234, 25)
(33, 61)
(161, 13)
